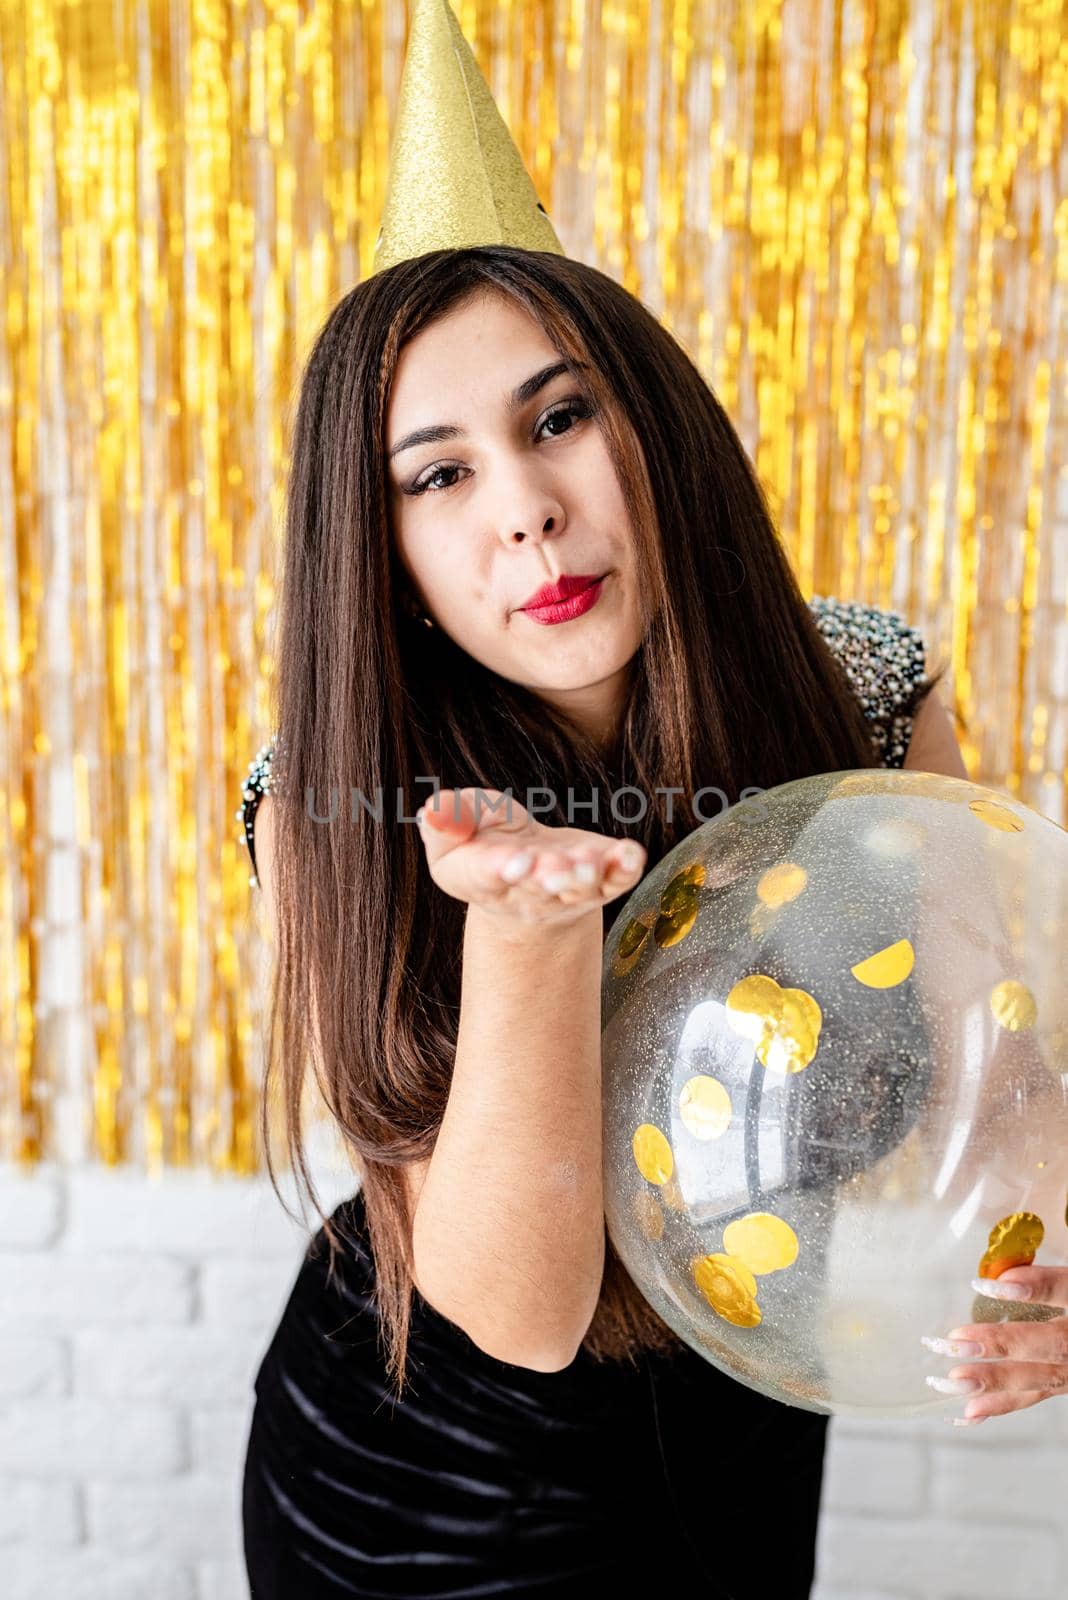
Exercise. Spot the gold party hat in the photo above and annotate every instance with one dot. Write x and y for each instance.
(455, 175)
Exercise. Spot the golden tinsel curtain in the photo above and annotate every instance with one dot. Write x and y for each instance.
(854, 213)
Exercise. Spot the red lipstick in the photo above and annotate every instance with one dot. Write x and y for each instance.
(569, 597)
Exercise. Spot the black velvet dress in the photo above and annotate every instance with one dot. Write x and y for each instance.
(660, 1476)
(491, 1479)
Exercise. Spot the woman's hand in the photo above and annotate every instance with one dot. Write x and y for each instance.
(1009, 1366)
(506, 863)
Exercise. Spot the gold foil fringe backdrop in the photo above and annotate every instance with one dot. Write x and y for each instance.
(855, 216)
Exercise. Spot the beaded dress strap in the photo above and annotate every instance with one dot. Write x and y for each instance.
(885, 661)
(256, 785)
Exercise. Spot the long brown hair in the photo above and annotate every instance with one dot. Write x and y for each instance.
(734, 685)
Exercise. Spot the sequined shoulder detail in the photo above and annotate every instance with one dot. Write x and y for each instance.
(255, 786)
(885, 661)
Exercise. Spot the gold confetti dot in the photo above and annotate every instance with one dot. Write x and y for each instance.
(671, 1195)
(632, 942)
(784, 1024)
(672, 926)
(729, 1287)
(1013, 1242)
(691, 877)
(1013, 1005)
(705, 1107)
(652, 1154)
(996, 815)
(753, 1004)
(763, 1241)
(633, 937)
(886, 967)
(781, 883)
(678, 906)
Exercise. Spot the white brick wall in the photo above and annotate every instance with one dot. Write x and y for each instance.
(922, 1509)
(134, 1315)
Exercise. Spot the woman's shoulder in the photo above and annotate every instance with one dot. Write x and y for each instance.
(885, 660)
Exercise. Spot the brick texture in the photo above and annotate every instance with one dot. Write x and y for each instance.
(134, 1316)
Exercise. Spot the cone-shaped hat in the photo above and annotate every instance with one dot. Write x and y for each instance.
(455, 175)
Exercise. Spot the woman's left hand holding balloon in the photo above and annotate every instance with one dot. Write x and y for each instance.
(1008, 1366)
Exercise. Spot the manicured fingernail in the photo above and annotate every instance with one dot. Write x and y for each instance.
(966, 1422)
(517, 865)
(997, 1290)
(955, 1385)
(952, 1347)
(555, 881)
(585, 872)
(629, 857)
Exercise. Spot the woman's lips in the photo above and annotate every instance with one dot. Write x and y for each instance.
(566, 610)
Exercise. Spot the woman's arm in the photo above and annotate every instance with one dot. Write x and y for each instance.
(933, 746)
(508, 1233)
(507, 1215)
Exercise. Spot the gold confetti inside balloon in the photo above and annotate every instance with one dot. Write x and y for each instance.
(835, 1078)
(1014, 1242)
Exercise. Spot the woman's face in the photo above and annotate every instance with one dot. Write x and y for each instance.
(511, 493)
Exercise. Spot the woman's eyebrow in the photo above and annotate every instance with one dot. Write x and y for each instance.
(518, 399)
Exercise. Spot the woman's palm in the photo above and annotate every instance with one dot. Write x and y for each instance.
(558, 873)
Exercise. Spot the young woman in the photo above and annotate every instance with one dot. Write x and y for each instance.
(470, 1396)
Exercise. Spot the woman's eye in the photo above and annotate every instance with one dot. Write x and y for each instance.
(575, 408)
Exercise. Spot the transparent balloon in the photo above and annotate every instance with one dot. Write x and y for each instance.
(835, 1069)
